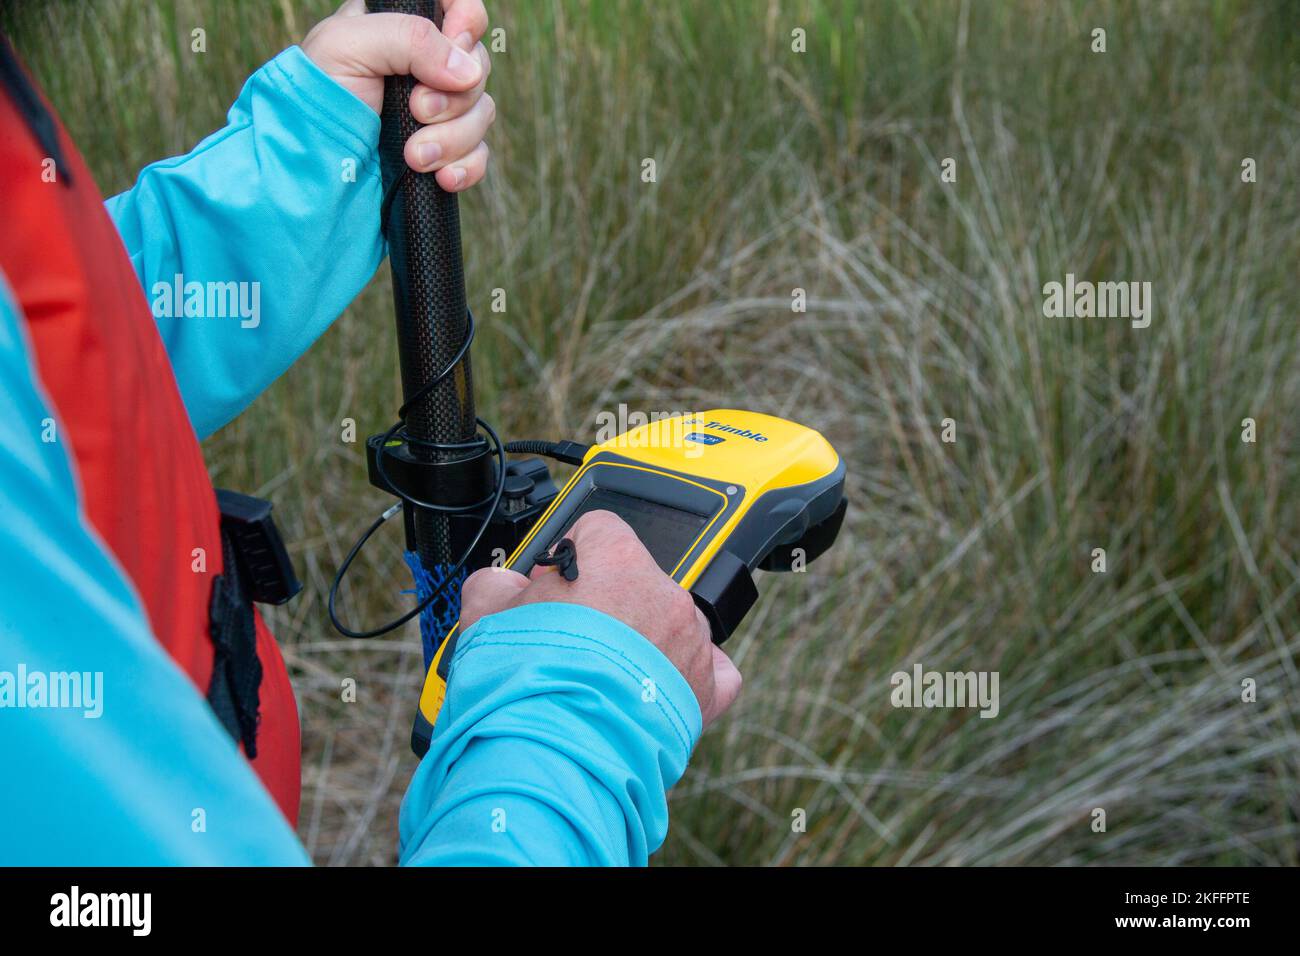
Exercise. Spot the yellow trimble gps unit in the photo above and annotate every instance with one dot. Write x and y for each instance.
(712, 496)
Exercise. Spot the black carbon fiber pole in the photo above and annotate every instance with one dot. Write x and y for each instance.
(423, 230)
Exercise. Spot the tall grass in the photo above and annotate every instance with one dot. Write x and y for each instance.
(820, 171)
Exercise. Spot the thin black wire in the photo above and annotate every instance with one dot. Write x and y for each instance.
(451, 575)
(386, 204)
(494, 499)
(399, 431)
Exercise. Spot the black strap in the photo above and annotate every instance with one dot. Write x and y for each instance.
(233, 692)
(564, 557)
(256, 568)
(14, 79)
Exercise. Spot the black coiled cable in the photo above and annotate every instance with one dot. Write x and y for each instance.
(488, 503)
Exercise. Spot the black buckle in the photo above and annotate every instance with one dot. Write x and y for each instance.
(563, 556)
(264, 567)
(724, 592)
(234, 692)
(455, 483)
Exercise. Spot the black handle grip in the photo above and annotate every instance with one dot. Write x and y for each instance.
(422, 225)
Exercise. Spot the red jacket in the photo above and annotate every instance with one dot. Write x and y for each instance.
(145, 487)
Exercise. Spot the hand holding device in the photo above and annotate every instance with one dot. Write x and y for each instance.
(621, 578)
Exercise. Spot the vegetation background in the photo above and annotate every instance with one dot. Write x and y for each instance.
(820, 170)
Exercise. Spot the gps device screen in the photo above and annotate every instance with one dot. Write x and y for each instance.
(667, 533)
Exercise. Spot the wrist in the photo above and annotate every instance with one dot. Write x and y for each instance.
(549, 644)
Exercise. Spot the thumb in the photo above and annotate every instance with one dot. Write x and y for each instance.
(394, 44)
(726, 685)
(487, 591)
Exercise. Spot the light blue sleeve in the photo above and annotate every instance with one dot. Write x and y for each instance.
(249, 246)
(135, 770)
(561, 733)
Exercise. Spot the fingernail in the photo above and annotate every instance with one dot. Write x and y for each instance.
(428, 153)
(457, 177)
(462, 66)
(433, 103)
(464, 41)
